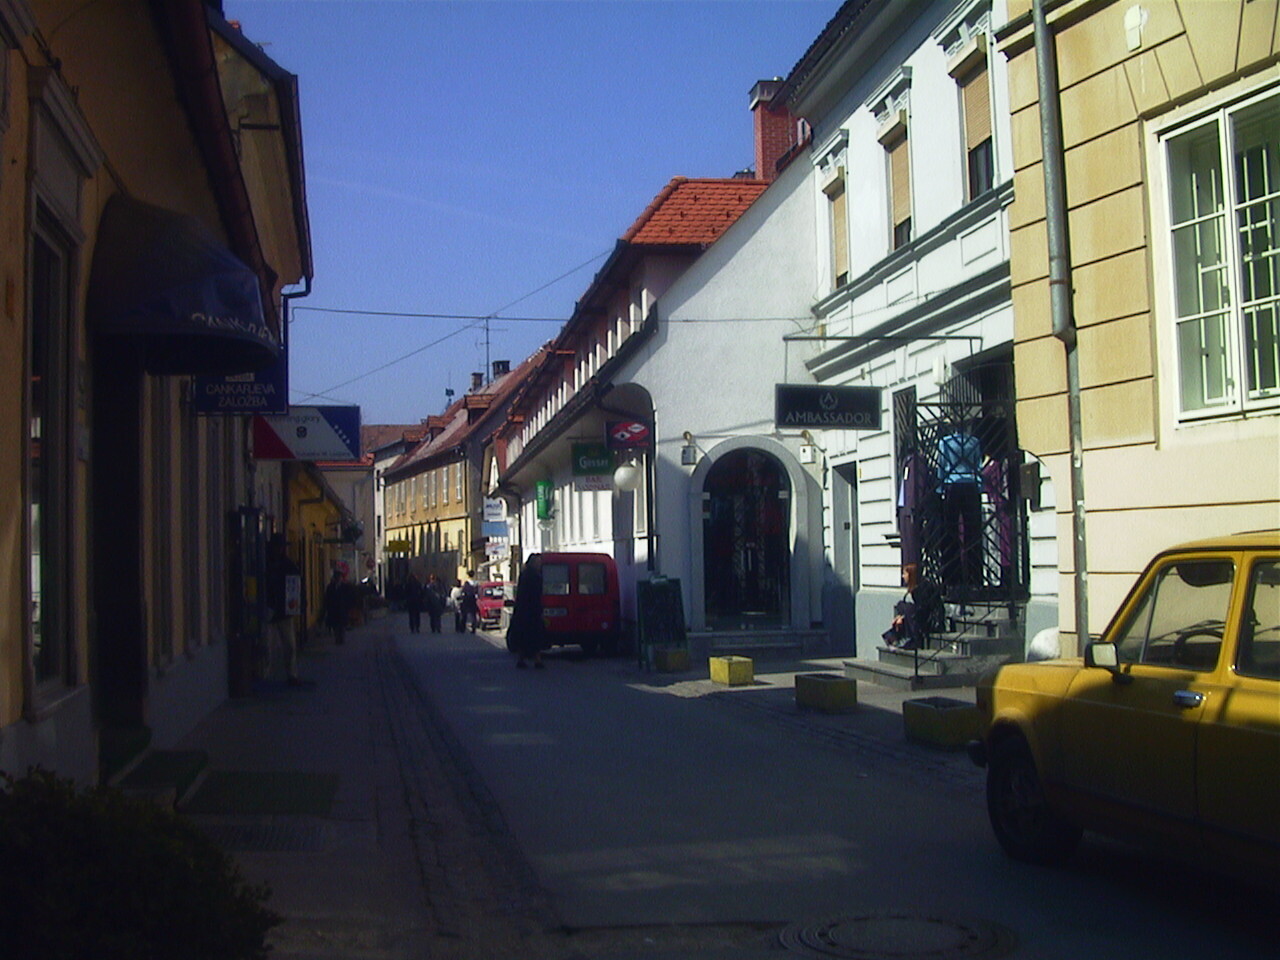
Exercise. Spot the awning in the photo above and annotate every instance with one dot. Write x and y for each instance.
(163, 278)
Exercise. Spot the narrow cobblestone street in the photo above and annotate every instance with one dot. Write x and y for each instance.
(426, 851)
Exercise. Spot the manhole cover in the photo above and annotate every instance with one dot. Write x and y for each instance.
(899, 937)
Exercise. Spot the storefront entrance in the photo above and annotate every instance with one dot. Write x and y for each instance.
(746, 542)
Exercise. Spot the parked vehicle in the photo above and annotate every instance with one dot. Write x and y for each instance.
(1167, 730)
(580, 600)
(494, 596)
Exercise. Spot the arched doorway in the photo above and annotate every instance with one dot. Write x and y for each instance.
(746, 542)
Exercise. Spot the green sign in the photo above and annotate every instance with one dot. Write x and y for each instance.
(542, 491)
(592, 460)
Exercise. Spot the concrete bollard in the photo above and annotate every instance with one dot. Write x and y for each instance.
(732, 671)
(941, 721)
(670, 659)
(826, 692)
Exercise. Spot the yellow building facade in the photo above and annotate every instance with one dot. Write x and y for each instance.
(122, 512)
(1171, 140)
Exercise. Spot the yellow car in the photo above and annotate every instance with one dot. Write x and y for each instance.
(1167, 730)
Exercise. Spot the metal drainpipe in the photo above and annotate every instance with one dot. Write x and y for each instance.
(285, 297)
(1064, 329)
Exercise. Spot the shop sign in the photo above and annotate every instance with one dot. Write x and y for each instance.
(308, 433)
(629, 435)
(543, 494)
(265, 392)
(592, 460)
(495, 508)
(594, 483)
(399, 546)
(803, 406)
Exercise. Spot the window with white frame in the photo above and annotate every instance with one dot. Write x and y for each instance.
(964, 37)
(899, 165)
(838, 220)
(890, 104)
(457, 482)
(1223, 175)
(975, 104)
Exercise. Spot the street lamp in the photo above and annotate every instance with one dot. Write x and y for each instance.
(628, 476)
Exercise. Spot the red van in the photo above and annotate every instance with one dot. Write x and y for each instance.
(580, 600)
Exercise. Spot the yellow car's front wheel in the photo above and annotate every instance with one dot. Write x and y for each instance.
(1028, 828)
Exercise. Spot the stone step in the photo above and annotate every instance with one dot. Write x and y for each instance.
(897, 677)
(927, 661)
(755, 643)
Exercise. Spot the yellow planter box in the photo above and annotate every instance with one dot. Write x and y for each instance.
(670, 659)
(827, 692)
(733, 671)
(941, 721)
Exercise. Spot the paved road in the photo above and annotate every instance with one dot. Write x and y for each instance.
(641, 800)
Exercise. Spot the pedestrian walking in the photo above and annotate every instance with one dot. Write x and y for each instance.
(455, 604)
(337, 606)
(526, 633)
(436, 602)
(414, 601)
(284, 604)
(470, 603)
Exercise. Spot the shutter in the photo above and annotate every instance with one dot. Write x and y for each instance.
(976, 92)
(839, 237)
(900, 181)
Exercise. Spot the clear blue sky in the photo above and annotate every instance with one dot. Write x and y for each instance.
(462, 155)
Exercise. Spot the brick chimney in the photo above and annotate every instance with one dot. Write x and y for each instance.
(775, 128)
(501, 368)
(477, 381)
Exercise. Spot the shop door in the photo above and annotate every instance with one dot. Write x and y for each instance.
(746, 520)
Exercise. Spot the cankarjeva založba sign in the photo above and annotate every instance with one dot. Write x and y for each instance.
(806, 406)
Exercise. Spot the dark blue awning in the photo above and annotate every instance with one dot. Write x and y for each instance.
(163, 278)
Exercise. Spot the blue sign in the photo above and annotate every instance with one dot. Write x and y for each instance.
(265, 392)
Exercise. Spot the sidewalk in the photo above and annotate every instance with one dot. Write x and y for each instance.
(342, 794)
(302, 788)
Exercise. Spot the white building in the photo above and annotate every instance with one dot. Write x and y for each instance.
(911, 175)
(877, 259)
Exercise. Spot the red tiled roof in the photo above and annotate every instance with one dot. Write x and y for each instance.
(694, 211)
(455, 423)
(375, 436)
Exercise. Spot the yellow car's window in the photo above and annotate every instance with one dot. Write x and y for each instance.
(1260, 632)
(1180, 620)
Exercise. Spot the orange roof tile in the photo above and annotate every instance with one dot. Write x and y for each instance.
(694, 211)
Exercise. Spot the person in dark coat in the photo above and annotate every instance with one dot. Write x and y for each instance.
(525, 635)
(337, 606)
(436, 602)
(470, 603)
(284, 584)
(414, 601)
(916, 615)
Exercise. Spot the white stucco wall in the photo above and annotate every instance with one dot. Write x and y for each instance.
(710, 370)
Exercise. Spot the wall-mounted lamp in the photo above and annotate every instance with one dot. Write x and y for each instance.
(808, 451)
(689, 452)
